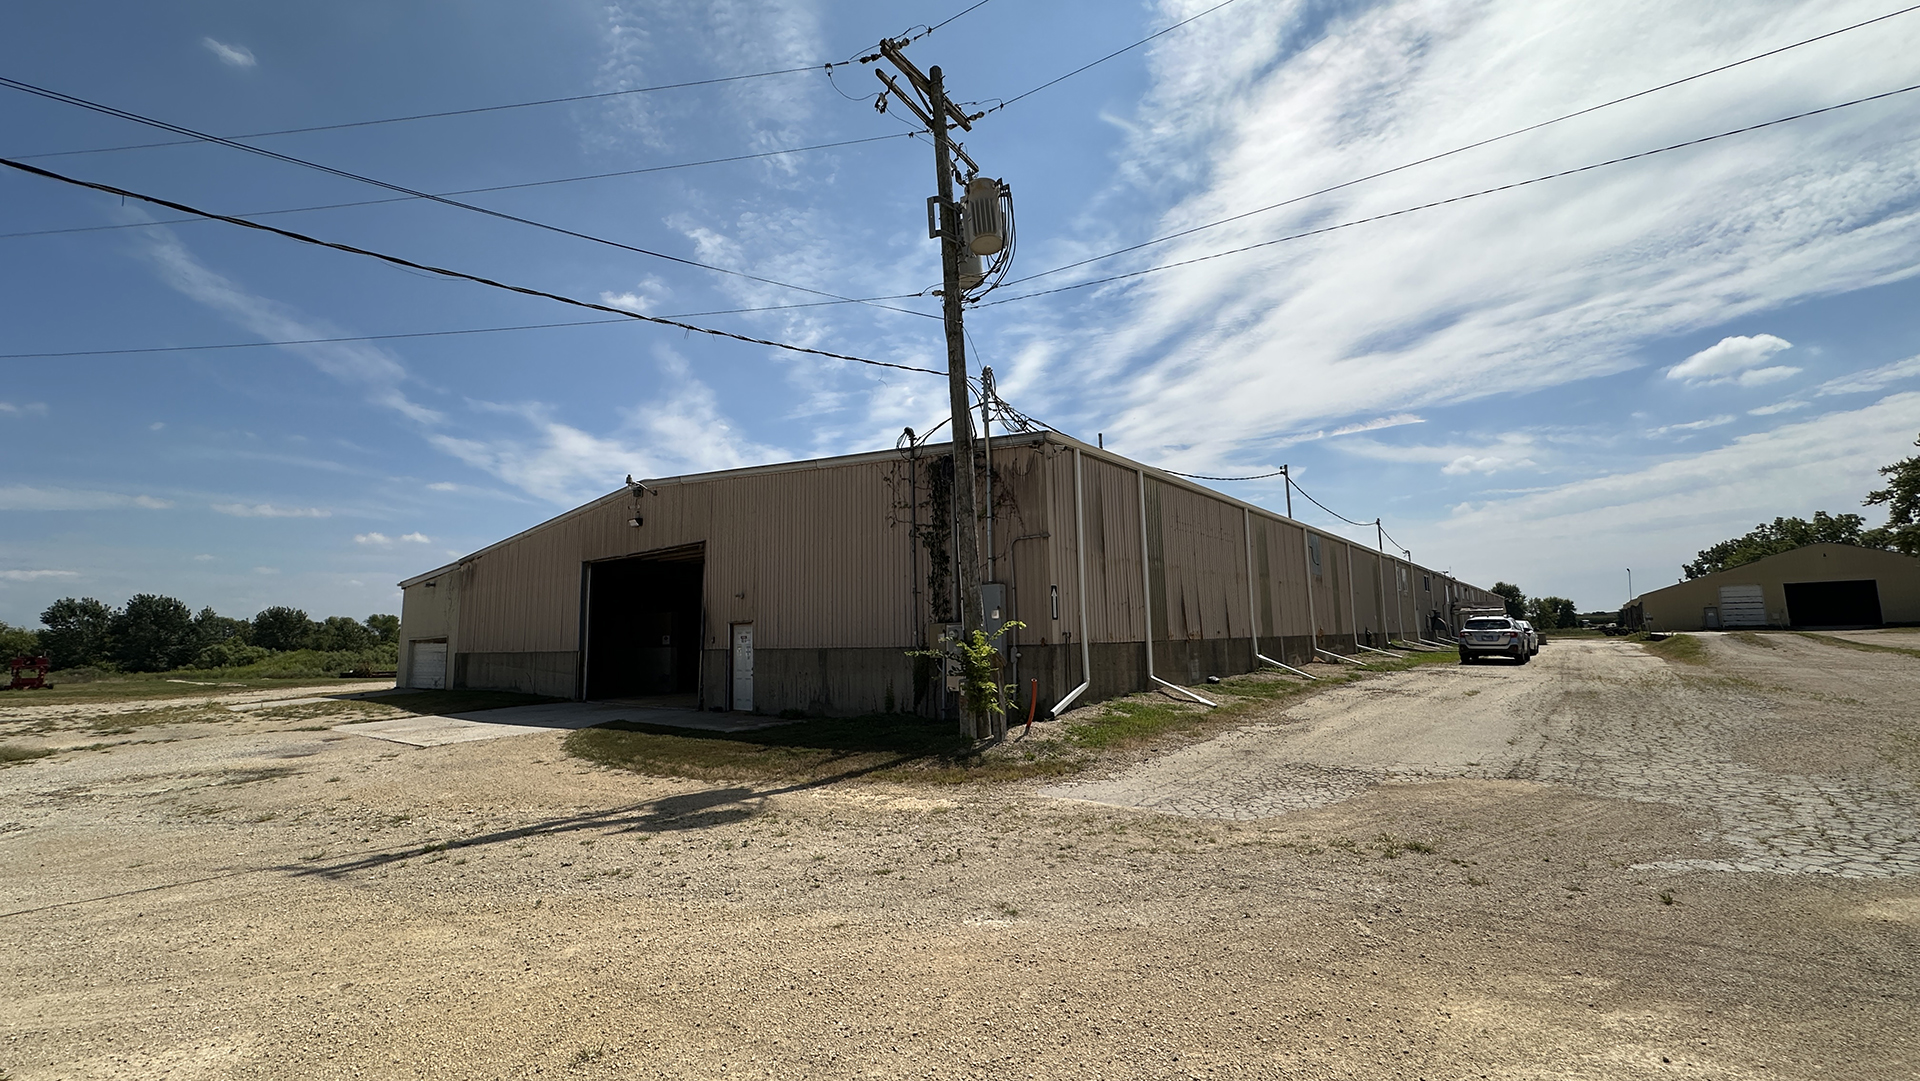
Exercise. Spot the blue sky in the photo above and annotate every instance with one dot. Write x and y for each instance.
(1547, 385)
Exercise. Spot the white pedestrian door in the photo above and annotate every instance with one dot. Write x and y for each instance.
(1742, 606)
(743, 667)
(429, 666)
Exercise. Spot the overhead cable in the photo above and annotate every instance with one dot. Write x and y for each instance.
(407, 334)
(1198, 476)
(467, 191)
(1324, 507)
(601, 96)
(438, 115)
(445, 272)
(1453, 199)
(1463, 149)
(109, 110)
(1111, 55)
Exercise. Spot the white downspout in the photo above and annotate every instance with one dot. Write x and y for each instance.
(1146, 597)
(1253, 608)
(1080, 558)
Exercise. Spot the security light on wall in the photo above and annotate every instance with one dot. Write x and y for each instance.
(635, 522)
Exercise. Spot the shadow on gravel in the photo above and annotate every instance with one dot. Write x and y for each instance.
(690, 811)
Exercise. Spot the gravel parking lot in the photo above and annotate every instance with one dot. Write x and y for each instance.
(1603, 864)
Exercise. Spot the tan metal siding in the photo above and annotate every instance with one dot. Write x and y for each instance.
(1204, 547)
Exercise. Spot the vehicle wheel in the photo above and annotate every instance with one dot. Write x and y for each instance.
(1524, 658)
(1465, 657)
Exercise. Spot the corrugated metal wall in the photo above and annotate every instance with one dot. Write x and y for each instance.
(822, 556)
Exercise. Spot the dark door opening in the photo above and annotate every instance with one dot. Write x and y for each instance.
(1834, 604)
(643, 624)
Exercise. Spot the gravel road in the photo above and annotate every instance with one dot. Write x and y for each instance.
(1599, 865)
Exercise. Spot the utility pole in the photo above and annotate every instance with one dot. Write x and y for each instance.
(966, 508)
(939, 114)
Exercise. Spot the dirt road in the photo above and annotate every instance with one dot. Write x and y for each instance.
(1603, 864)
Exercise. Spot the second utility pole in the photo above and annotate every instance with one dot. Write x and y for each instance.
(966, 514)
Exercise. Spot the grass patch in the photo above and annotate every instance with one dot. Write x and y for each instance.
(886, 746)
(1748, 638)
(128, 686)
(1680, 648)
(1865, 647)
(9, 754)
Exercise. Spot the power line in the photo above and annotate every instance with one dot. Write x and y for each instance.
(467, 191)
(1463, 149)
(438, 115)
(1324, 507)
(69, 99)
(1454, 199)
(305, 341)
(601, 96)
(408, 334)
(1110, 56)
(444, 272)
(1199, 476)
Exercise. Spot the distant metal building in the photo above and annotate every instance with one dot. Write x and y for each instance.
(1820, 585)
(804, 585)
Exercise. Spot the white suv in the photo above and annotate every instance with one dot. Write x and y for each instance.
(1533, 638)
(1495, 636)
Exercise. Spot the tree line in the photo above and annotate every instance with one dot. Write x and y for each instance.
(1545, 613)
(1901, 534)
(153, 633)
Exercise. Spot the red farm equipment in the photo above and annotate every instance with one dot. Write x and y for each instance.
(30, 674)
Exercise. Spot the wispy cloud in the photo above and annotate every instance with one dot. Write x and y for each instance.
(1873, 379)
(269, 510)
(681, 430)
(23, 409)
(1694, 425)
(234, 56)
(415, 538)
(24, 497)
(376, 372)
(1259, 103)
(35, 576)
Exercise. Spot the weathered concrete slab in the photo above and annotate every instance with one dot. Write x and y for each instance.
(547, 717)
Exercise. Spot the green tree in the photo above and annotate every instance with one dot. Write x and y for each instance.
(1782, 535)
(1552, 613)
(1902, 500)
(1516, 600)
(340, 633)
(153, 633)
(77, 631)
(282, 628)
(17, 642)
(386, 629)
(211, 628)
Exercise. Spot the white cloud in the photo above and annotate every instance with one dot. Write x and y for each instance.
(1378, 423)
(415, 538)
(645, 297)
(35, 576)
(1729, 357)
(681, 430)
(266, 570)
(1695, 425)
(24, 497)
(1578, 534)
(18, 409)
(1494, 454)
(443, 486)
(1558, 282)
(1873, 379)
(234, 56)
(377, 539)
(203, 558)
(156, 426)
(1760, 377)
(373, 370)
(268, 510)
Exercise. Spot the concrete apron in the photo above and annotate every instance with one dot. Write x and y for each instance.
(550, 717)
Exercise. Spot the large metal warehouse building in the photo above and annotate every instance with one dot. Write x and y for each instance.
(804, 585)
(1820, 585)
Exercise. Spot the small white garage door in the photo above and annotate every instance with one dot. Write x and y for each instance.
(429, 666)
(1742, 606)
